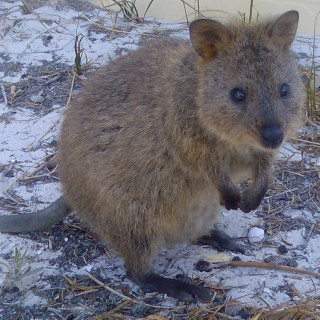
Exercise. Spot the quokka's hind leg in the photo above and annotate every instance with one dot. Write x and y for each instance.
(172, 287)
(221, 241)
(139, 271)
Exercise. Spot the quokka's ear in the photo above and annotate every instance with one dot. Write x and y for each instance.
(283, 30)
(209, 37)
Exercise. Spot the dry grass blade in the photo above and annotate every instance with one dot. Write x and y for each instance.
(271, 266)
(251, 8)
(148, 7)
(26, 7)
(195, 10)
(75, 286)
(303, 310)
(308, 142)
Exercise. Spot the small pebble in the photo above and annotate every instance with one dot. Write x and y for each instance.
(255, 235)
(236, 258)
(282, 249)
(36, 99)
(35, 146)
(289, 262)
(183, 277)
(203, 266)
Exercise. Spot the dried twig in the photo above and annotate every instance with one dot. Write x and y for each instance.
(270, 266)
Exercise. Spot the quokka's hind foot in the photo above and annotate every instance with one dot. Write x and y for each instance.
(172, 287)
(221, 241)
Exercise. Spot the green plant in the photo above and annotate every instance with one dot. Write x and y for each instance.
(250, 11)
(78, 54)
(312, 103)
(196, 9)
(16, 271)
(244, 18)
(149, 5)
(26, 8)
(311, 96)
(128, 9)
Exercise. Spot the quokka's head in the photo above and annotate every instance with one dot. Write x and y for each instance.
(250, 91)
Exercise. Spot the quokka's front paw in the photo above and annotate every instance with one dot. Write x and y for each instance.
(249, 200)
(231, 200)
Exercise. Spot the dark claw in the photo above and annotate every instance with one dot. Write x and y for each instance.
(231, 206)
(230, 200)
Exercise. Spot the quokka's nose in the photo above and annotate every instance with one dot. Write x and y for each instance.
(272, 136)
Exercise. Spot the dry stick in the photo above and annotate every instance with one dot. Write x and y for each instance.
(112, 29)
(122, 295)
(307, 141)
(271, 266)
(118, 307)
(59, 118)
(113, 26)
(30, 176)
(296, 307)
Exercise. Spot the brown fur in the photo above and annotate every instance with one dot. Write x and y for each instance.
(154, 142)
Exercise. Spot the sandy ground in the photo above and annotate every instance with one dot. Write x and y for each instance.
(53, 280)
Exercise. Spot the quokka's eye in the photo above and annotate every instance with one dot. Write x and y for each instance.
(284, 90)
(238, 95)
